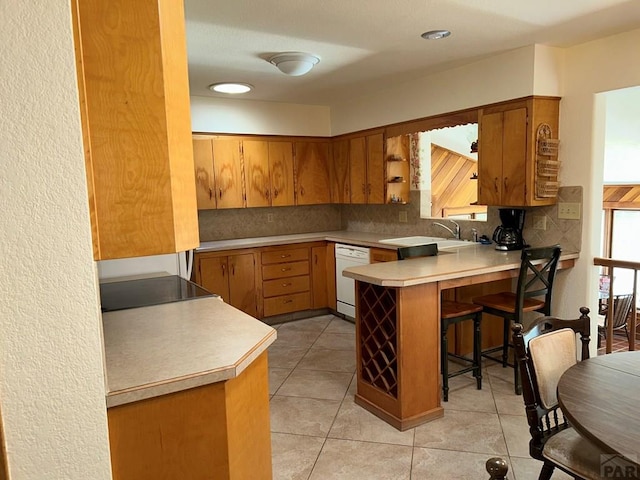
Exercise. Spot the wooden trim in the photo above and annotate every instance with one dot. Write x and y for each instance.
(609, 262)
(404, 423)
(608, 233)
(621, 197)
(359, 133)
(4, 464)
(271, 138)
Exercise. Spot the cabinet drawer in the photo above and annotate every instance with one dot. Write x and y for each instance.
(287, 304)
(285, 255)
(285, 286)
(284, 270)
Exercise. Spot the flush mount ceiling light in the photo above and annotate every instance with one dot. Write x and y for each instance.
(435, 34)
(230, 87)
(294, 63)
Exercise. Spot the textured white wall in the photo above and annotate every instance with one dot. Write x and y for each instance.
(221, 115)
(590, 69)
(51, 368)
(493, 79)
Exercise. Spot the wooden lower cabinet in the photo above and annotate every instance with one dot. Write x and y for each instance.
(269, 281)
(230, 276)
(286, 280)
(219, 431)
(319, 277)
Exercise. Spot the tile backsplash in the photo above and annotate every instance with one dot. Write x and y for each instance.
(260, 222)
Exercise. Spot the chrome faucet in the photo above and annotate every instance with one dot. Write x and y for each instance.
(455, 232)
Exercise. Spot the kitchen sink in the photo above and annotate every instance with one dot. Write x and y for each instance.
(419, 240)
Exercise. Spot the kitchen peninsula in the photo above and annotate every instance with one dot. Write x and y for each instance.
(187, 391)
(398, 327)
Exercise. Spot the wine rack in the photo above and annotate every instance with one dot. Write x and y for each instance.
(378, 338)
(547, 164)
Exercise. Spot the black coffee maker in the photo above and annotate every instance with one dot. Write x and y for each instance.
(508, 236)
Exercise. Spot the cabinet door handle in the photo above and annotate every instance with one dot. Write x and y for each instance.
(288, 301)
(505, 184)
(210, 194)
(220, 192)
(301, 190)
(285, 255)
(369, 188)
(275, 193)
(363, 189)
(495, 184)
(266, 194)
(224, 269)
(233, 269)
(287, 284)
(285, 269)
(315, 259)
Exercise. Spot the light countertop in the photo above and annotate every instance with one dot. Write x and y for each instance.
(152, 351)
(454, 263)
(341, 236)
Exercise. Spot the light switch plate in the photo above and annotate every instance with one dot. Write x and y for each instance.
(269, 217)
(403, 216)
(569, 211)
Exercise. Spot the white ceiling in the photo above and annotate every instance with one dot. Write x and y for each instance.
(366, 45)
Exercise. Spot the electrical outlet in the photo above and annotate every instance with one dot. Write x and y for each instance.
(403, 216)
(539, 222)
(569, 211)
(270, 217)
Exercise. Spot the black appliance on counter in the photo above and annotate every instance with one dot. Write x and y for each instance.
(508, 236)
(144, 292)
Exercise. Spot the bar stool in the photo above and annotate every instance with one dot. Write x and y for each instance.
(535, 279)
(451, 313)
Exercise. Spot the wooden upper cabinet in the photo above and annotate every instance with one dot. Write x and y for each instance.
(281, 173)
(358, 169)
(135, 113)
(339, 172)
(366, 169)
(228, 172)
(490, 136)
(255, 154)
(268, 167)
(312, 172)
(375, 168)
(507, 155)
(205, 178)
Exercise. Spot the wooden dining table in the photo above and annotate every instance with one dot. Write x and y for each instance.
(601, 399)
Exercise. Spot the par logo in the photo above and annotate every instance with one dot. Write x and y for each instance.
(617, 466)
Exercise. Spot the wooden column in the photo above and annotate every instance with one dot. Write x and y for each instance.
(397, 343)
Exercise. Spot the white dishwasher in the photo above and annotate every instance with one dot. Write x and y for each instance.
(348, 256)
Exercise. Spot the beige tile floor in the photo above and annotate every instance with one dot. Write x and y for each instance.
(319, 433)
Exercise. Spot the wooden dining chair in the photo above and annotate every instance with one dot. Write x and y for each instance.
(451, 313)
(543, 353)
(535, 279)
(621, 309)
